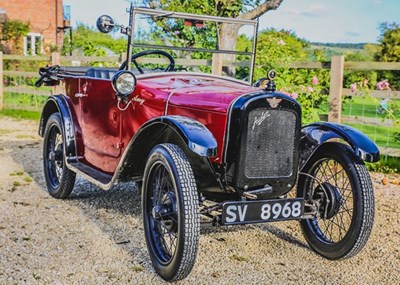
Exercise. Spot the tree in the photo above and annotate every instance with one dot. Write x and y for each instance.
(389, 51)
(276, 48)
(389, 43)
(227, 34)
(12, 31)
(85, 36)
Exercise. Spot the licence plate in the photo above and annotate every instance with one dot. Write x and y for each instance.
(246, 212)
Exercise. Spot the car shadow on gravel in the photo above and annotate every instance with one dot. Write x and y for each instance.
(284, 235)
(277, 232)
(123, 198)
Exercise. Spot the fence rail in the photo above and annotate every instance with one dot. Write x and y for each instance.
(336, 92)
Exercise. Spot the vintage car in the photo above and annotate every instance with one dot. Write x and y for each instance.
(204, 148)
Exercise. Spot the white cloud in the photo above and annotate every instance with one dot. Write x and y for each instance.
(309, 11)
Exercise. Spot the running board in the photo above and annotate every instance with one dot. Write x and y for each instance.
(96, 177)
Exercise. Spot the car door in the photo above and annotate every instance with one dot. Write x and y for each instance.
(100, 123)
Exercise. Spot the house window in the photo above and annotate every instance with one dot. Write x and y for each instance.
(33, 44)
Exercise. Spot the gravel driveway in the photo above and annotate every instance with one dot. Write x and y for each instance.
(96, 237)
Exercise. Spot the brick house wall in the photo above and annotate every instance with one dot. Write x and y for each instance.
(43, 19)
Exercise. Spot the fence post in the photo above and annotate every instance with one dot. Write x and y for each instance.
(336, 87)
(1, 82)
(55, 58)
(217, 63)
(122, 57)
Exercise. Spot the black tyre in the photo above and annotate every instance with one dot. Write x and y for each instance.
(170, 212)
(343, 187)
(59, 179)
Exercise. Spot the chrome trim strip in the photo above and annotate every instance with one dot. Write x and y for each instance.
(169, 97)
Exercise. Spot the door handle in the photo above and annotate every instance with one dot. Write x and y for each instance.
(80, 95)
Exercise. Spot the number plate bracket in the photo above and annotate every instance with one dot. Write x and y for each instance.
(250, 212)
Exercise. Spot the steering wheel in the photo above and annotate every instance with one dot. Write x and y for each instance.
(147, 52)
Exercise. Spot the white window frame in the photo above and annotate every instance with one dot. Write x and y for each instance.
(32, 37)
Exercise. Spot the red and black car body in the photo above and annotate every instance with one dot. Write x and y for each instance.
(245, 145)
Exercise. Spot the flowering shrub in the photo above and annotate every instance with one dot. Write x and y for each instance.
(309, 87)
(383, 85)
(314, 80)
(311, 97)
(353, 87)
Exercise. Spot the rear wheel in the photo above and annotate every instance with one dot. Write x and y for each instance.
(170, 212)
(342, 189)
(59, 179)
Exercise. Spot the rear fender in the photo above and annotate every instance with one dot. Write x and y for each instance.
(59, 104)
(314, 135)
(191, 135)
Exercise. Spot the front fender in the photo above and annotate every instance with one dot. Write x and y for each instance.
(315, 134)
(197, 137)
(59, 104)
(165, 129)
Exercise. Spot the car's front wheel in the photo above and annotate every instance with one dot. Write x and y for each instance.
(59, 179)
(337, 181)
(170, 212)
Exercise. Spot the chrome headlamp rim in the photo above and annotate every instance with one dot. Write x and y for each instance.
(124, 82)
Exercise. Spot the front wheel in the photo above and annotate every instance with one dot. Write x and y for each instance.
(59, 179)
(170, 212)
(337, 181)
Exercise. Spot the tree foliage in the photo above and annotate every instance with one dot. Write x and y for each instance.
(13, 31)
(389, 51)
(309, 86)
(276, 47)
(389, 43)
(94, 43)
(225, 8)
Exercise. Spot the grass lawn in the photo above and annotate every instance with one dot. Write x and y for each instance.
(364, 107)
(33, 102)
(21, 114)
(381, 135)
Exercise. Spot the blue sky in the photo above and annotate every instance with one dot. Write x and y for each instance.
(314, 20)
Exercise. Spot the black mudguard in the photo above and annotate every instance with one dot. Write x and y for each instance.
(197, 137)
(183, 131)
(313, 135)
(59, 104)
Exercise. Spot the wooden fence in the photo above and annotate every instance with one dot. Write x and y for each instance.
(337, 67)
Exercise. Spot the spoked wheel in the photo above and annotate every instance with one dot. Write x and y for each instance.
(343, 191)
(170, 212)
(59, 179)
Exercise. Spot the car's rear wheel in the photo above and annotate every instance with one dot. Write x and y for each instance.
(59, 179)
(170, 212)
(338, 181)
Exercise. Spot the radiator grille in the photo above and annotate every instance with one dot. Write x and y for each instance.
(269, 149)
